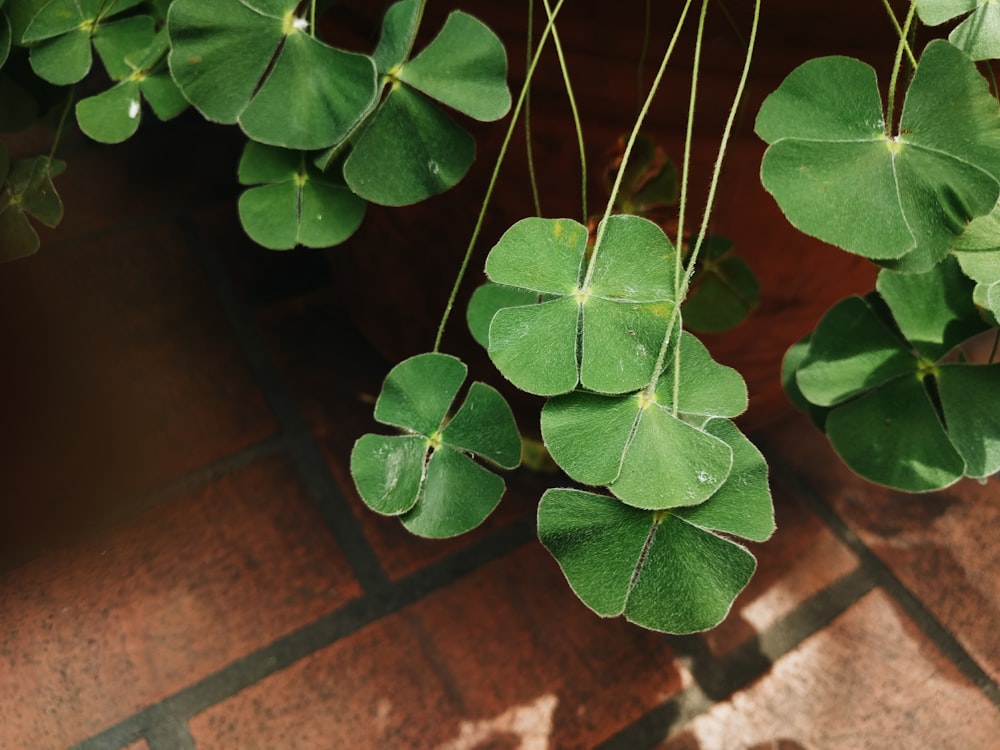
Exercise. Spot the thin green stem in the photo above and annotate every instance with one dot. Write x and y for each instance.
(688, 137)
(731, 21)
(643, 52)
(572, 105)
(631, 142)
(703, 229)
(312, 18)
(528, 145)
(890, 113)
(62, 124)
(496, 171)
(899, 30)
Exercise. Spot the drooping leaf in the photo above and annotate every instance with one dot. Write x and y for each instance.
(410, 150)
(650, 179)
(255, 64)
(724, 289)
(658, 570)
(427, 476)
(464, 67)
(895, 412)
(901, 200)
(293, 203)
(978, 35)
(892, 435)
(620, 315)
(6, 38)
(60, 34)
(27, 190)
(646, 454)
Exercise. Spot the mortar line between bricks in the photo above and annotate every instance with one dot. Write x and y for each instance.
(303, 447)
(883, 575)
(718, 678)
(307, 640)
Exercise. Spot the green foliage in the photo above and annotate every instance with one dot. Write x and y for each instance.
(294, 203)
(426, 475)
(617, 303)
(898, 410)
(978, 35)
(901, 199)
(724, 289)
(26, 190)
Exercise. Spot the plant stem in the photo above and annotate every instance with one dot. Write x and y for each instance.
(686, 162)
(631, 142)
(703, 229)
(897, 64)
(899, 30)
(496, 171)
(62, 124)
(529, 147)
(312, 18)
(572, 105)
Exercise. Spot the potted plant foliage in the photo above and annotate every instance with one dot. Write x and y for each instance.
(597, 317)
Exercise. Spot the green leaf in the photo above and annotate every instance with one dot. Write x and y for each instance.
(409, 151)
(970, 399)
(978, 35)
(427, 478)
(851, 351)
(724, 289)
(484, 303)
(893, 436)
(63, 60)
(620, 318)
(118, 40)
(297, 205)
(742, 506)
(27, 191)
(934, 310)
(6, 38)
(900, 200)
(464, 67)
(399, 30)
(113, 116)
(660, 571)
(648, 456)
(254, 63)
(790, 365)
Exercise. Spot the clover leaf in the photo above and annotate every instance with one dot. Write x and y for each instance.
(26, 189)
(667, 570)
(978, 35)
(134, 55)
(978, 253)
(724, 289)
(60, 35)
(409, 149)
(425, 476)
(293, 203)
(900, 200)
(647, 453)
(253, 62)
(898, 411)
(484, 303)
(604, 334)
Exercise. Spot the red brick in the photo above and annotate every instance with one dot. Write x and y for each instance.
(120, 373)
(506, 652)
(941, 545)
(870, 679)
(799, 560)
(93, 633)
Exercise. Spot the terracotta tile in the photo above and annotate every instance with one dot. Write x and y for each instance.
(941, 545)
(869, 680)
(120, 373)
(503, 658)
(93, 633)
(799, 560)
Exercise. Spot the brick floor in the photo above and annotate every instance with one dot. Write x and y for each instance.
(184, 563)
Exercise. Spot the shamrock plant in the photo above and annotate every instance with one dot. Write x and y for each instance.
(660, 491)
